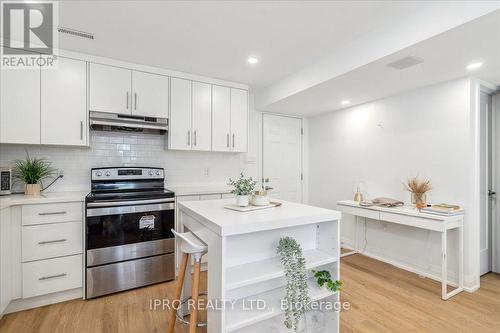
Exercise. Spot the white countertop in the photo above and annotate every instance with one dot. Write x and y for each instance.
(50, 197)
(227, 222)
(195, 190)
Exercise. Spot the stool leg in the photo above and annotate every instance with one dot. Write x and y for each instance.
(195, 288)
(178, 291)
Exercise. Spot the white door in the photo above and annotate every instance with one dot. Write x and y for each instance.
(486, 183)
(239, 120)
(150, 95)
(180, 114)
(282, 156)
(221, 118)
(110, 89)
(202, 116)
(20, 106)
(64, 103)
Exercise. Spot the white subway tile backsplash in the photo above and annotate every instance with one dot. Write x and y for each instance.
(124, 149)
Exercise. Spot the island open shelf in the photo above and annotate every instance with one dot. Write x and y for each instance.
(243, 264)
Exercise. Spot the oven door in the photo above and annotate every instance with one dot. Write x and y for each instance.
(118, 233)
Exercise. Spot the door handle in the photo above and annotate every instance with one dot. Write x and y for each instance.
(267, 188)
(127, 100)
(52, 276)
(194, 142)
(81, 130)
(491, 193)
(135, 101)
(53, 241)
(233, 140)
(189, 138)
(52, 213)
(227, 140)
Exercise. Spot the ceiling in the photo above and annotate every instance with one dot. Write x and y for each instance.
(445, 58)
(215, 38)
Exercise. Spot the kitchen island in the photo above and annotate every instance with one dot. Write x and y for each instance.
(243, 265)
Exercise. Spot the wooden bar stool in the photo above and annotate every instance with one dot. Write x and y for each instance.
(189, 245)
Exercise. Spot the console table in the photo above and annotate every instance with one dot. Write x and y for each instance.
(410, 216)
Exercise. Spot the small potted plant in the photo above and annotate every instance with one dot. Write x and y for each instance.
(418, 189)
(32, 171)
(243, 188)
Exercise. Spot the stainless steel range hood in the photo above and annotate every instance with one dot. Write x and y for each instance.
(103, 121)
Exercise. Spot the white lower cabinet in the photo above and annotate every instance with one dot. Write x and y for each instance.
(51, 248)
(52, 275)
(51, 240)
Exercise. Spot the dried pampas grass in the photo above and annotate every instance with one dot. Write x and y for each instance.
(417, 186)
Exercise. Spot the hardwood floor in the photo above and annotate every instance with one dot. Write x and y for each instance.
(383, 299)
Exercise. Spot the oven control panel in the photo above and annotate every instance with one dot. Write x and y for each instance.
(127, 173)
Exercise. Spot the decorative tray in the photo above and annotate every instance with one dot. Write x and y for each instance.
(250, 208)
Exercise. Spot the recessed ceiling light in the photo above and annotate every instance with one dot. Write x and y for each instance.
(474, 65)
(345, 102)
(252, 60)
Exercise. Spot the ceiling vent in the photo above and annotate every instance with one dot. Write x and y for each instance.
(406, 62)
(73, 32)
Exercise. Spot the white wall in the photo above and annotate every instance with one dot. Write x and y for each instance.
(124, 149)
(428, 132)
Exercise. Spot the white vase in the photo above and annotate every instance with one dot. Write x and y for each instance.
(242, 200)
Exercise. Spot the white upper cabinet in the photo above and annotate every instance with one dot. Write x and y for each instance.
(110, 89)
(202, 116)
(239, 120)
(20, 106)
(180, 114)
(221, 118)
(150, 94)
(64, 103)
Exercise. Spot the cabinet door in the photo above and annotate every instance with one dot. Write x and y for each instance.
(64, 103)
(239, 120)
(20, 106)
(202, 116)
(150, 94)
(110, 89)
(221, 118)
(180, 114)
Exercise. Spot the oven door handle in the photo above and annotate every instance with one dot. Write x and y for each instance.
(105, 211)
(128, 203)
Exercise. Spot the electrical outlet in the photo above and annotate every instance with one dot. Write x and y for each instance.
(206, 172)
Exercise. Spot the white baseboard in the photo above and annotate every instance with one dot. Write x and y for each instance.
(35, 302)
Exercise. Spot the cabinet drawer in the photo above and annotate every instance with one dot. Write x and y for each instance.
(228, 196)
(51, 240)
(52, 275)
(52, 213)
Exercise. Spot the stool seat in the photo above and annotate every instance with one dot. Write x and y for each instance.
(190, 243)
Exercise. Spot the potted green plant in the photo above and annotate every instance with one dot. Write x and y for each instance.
(32, 171)
(243, 188)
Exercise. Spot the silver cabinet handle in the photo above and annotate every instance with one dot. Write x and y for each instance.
(233, 140)
(135, 101)
(189, 138)
(52, 276)
(194, 138)
(52, 213)
(81, 130)
(127, 100)
(227, 140)
(53, 241)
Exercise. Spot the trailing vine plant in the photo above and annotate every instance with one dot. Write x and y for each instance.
(297, 294)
